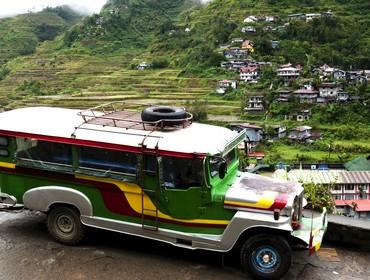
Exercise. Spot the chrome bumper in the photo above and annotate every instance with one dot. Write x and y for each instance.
(7, 200)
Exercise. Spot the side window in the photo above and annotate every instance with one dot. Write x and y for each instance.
(103, 160)
(4, 143)
(182, 173)
(46, 155)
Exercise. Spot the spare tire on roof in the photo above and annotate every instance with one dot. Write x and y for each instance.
(167, 113)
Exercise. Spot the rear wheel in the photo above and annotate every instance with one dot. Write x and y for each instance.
(65, 226)
(266, 256)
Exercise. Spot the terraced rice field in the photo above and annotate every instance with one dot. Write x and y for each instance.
(77, 81)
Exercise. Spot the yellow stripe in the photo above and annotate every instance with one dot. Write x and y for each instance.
(133, 194)
(265, 202)
(7, 165)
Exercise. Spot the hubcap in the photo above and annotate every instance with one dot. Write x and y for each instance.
(266, 259)
(65, 224)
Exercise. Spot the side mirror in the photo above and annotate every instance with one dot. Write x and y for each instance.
(222, 170)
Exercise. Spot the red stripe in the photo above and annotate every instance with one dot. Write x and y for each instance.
(280, 202)
(102, 145)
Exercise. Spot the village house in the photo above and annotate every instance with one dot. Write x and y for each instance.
(312, 16)
(300, 133)
(339, 75)
(328, 14)
(275, 132)
(306, 94)
(255, 104)
(297, 16)
(235, 53)
(143, 66)
(249, 29)
(358, 208)
(249, 74)
(248, 45)
(250, 19)
(299, 116)
(274, 44)
(329, 91)
(270, 19)
(267, 28)
(225, 85)
(288, 73)
(254, 133)
(283, 95)
(345, 185)
(343, 97)
(237, 40)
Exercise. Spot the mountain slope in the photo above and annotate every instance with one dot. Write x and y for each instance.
(20, 35)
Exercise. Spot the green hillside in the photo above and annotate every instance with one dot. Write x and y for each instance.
(20, 35)
(94, 61)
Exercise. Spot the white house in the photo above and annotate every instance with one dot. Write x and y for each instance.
(250, 29)
(310, 17)
(250, 19)
(288, 73)
(300, 133)
(224, 85)
(255, 104)
(249, 74)
(143, 66)
(329, 91)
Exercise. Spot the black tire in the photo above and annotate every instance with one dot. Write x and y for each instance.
(65, 226)
(278, 255)
(157, 113)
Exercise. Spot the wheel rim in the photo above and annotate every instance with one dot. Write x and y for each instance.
(266, 259)
(65, 224)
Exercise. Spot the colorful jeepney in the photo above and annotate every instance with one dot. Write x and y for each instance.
(156, 175)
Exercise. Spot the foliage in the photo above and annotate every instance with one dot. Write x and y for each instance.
(199, 109)
(4, 71)
(319, 196)
(32, 87)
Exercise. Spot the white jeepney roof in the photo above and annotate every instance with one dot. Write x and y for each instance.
(58, 122)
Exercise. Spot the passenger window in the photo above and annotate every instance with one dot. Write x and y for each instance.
(108, 160)
(4, 153)
(4, 142)
(42, 153)
(150, 166)
(181, 173)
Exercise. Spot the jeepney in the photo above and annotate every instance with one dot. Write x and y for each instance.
(153, 174)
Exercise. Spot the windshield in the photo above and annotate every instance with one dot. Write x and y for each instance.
(215, 162)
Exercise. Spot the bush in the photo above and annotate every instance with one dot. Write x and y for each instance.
(319, 196)
(161, 62)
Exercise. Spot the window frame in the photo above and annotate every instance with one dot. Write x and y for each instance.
(42, 164)
(91, 171)
(7, 142)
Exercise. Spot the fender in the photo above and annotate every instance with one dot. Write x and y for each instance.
(42, 198)
(244, 221)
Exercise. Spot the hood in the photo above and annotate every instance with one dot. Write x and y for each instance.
(258, 192)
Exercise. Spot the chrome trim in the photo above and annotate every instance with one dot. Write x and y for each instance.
(234, 142)
(7, 200)
(43, 197)
(241, 222)
(197, 241)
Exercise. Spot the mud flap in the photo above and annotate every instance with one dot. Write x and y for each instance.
(312, 231)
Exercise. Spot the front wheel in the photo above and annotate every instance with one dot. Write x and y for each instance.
(65, 226)
(266, 256)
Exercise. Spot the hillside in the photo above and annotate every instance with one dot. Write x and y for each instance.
(96, 61)
(21, 34)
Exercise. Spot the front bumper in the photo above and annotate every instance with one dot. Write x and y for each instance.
(312, 231)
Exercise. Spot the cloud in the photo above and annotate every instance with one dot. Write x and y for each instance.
(14, 7)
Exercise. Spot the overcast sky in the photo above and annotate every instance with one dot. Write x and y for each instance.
(14, 7)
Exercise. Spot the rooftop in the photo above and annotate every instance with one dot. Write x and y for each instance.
(59, 125)
(361, 205)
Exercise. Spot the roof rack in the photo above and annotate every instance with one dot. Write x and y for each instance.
(115, 115)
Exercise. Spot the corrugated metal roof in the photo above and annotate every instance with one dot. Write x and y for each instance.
(326, 177)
